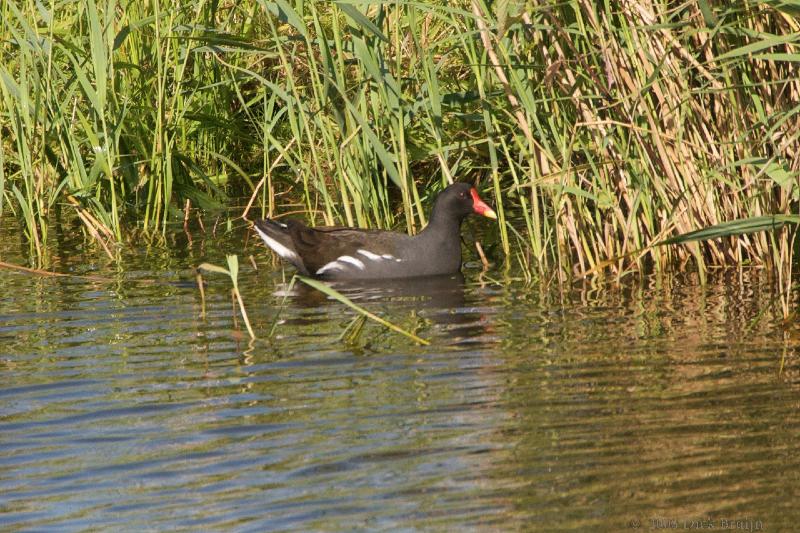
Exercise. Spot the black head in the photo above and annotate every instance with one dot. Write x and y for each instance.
(460, 200)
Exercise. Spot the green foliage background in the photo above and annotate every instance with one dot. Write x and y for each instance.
(597, 128)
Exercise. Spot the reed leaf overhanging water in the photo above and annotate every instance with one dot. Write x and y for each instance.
(597, 129)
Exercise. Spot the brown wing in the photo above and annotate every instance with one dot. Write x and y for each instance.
(320, 246)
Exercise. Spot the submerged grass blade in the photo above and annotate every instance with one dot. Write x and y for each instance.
(353, 330)
(339, 297)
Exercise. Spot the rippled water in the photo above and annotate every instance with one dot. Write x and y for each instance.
(650, 404)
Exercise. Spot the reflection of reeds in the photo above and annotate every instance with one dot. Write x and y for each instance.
(600, 128)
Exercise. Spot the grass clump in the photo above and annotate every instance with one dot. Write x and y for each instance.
(600, 128)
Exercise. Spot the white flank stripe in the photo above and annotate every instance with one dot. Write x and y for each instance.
(339, 264)
(333, 265)
(353, 261)
(370, 255)
(279, 249)
(388, 256)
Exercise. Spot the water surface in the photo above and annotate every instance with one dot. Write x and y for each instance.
(643, 405)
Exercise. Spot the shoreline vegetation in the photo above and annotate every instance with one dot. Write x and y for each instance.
(597, 130)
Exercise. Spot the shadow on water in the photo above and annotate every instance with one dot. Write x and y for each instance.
(587, 407)
(424, 292)
(420, 294)
(435, 300)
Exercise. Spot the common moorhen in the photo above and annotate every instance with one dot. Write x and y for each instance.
(352, 253)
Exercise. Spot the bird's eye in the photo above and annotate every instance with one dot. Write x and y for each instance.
(463, 195)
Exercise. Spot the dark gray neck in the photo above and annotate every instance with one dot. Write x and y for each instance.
(443, 224)
(441, 240)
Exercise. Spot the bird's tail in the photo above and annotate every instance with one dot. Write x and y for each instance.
(276, 235)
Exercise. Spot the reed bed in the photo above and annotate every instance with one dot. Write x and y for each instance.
(598, 129)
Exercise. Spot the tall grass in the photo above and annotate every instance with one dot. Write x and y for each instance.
(598, 128)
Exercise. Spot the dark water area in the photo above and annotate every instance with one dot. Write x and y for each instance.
(653, 404)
